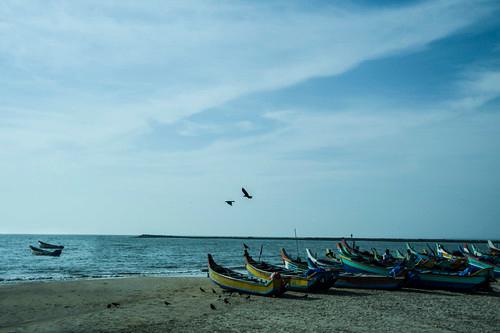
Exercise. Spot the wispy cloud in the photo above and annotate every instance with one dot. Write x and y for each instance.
(110, 68)
(477, 89)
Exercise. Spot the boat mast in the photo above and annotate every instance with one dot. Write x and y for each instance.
(296, 242)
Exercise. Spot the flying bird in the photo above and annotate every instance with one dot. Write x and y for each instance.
(230, 202)
(245, 193)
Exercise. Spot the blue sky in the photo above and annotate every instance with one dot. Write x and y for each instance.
(143, 117)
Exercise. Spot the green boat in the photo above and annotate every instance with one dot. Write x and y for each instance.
(356, 266)
(450, 281)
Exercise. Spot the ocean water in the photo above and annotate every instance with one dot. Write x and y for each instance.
(121, 256)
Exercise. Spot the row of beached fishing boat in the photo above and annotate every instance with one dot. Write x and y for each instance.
(466, 269)
(46, 249)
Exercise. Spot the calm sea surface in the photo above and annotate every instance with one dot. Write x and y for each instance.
(121, 256)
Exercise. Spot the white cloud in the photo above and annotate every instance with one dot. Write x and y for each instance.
(114, 67)
(477, 89)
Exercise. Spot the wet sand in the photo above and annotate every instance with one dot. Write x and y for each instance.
(86, 306)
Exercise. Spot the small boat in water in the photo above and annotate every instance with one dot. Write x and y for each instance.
(44, 245)
(234, 281)
(39, 252)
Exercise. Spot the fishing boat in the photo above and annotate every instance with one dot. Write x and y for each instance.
(354, 251)
(355, 265)
(228, 279)
(442, 252)
(431, 252)
(475, 251)
(346, 251)
(292, 264)
(39, 252)
(398, 255)
(356, 281)
(329, 254)
(495, 251)
(462, 281)
(326, 263)
(44, 245)
(441, 262)
(482, 261)
(427, 279)
(310, 280)
(424, 253)
(375, 254)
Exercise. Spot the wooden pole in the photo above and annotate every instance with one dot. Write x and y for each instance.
(296, 242)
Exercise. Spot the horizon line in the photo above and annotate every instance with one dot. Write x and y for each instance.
(317, 238)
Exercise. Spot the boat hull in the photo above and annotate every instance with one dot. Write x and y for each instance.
(44, 245)
(354, 266)
(269, 287)
(363, 281)
(448, 282)
(39, 252)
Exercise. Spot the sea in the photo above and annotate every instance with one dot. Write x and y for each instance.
(94, 257)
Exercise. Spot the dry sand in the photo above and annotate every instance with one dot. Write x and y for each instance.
(82, 306)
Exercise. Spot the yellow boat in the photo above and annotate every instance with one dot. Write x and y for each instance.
(231, 280)
(312, 280)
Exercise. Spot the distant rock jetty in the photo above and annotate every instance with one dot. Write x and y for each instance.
(430, 240)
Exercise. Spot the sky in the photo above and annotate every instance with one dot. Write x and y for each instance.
(378, 119)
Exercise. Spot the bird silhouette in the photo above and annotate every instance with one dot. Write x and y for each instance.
(245, 193)
(230, 202)
(212, 306)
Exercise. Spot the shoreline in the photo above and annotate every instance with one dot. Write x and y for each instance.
(87, 306)
(4, 282)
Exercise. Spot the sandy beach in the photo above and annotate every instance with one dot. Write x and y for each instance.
(179, 305)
